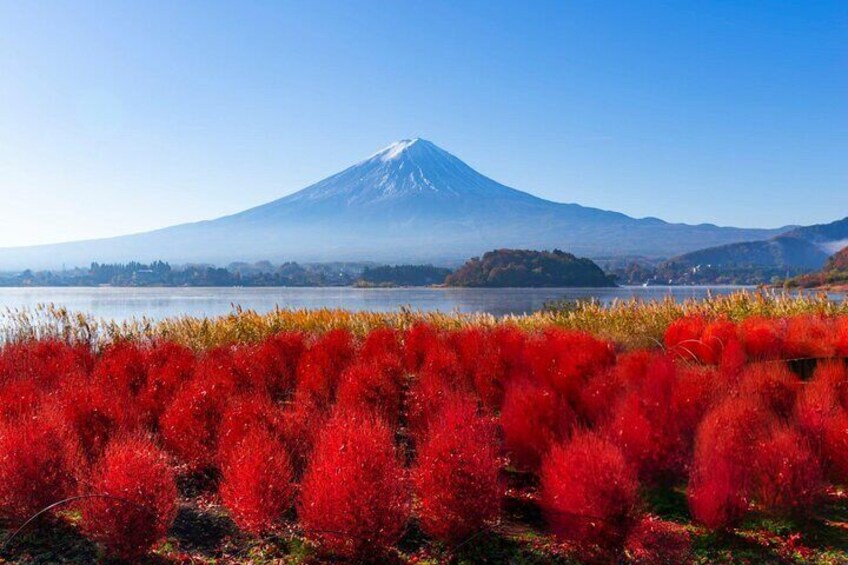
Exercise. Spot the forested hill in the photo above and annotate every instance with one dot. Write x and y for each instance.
(520, 267)
(833, 274)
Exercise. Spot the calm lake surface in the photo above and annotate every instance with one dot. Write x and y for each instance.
(157, 303)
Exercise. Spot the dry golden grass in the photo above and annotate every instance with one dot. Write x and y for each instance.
(630, 323)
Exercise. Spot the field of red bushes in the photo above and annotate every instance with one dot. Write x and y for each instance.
(423, 444)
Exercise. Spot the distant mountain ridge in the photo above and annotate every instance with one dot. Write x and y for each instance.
(410, 202)
(798, 250)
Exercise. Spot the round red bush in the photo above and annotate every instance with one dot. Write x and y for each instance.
(762, 337)
(274, 364)
(654, 425)
(243, 416)
(773, 384)
(381, 342)
(588, 491)
(45, 362)
(19, 399)
(808, 336)
(533, 418)
(140, 500)
(840, 336)
(566, 359)
(821, 399)
(300, 424)
(321, 366)
(417, 342)
(189, 426)
(38, 465)
(122, 366)
(787, 475)
(373, 384)
(456, 475)
(683, 338)
(169, 366)
(257, 479)
(354, 496)
(721, 478)
(835, 446)
(96, 412)
(715, 340)
(439, 378)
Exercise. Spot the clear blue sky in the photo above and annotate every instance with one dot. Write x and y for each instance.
(118, 117)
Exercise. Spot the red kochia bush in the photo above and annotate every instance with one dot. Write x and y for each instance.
(168, 366)
(821, 412)
(243, 416)
(190, 424)
(683, 337)
(96, 412)
(320, 368)
(808, 335)
(373, 384)
(654, 424)
(533, 418)
(721, 479)
(588, 491)
(598, 396)
(822, 398)
(773, 384)
(45, 362)
(503, 361)
(417, 342)
(38, 462)
(381, 342)
(643, 425)
(137, 473)
(787, 475)
(840, 336)
(439, 377)
(481, 363)
(271, 365)
(257, 482)
(716, 339)
(566, 359)
(122, 366)
(300, 424)
(762, 337)
(354, 499)
(456, 473)
(835, 446)
(19, 399)
(653, 541)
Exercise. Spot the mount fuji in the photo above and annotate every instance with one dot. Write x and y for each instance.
(410, 202)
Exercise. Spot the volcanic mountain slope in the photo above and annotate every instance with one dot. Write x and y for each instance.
(411, 202)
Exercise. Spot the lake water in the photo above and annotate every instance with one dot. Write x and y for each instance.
(157, 303)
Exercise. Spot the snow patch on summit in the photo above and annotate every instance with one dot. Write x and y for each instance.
(396, 149)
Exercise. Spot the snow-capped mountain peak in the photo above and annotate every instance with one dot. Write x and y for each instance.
(396, 149)
(409, 169)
